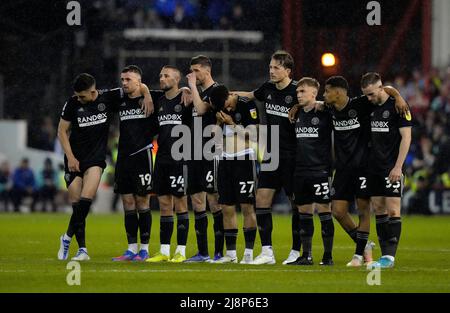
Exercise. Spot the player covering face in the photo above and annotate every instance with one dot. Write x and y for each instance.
(238, 118)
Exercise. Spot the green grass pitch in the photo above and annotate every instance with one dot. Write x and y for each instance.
(29, 243)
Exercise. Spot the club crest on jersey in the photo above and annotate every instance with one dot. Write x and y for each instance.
(269, 97)
(352, 113)
(315, 121)
(101, 107)
(238, 117)
(81, 109)
(253, 113)
(178, 108)
(288, 99)
(386, 114)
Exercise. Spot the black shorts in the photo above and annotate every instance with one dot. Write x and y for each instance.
(134, 174)
(237, 181)
(282, 177)
(202, 176)
(169, 178)
(84, 166)
(349, 184)
(311, 189)
(381, 186)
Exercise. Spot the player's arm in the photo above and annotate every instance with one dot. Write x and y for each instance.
(396, 172)
(292, 115)
(186, 96)
(63, 136)
(401, 106)
(147, 105)
(333, 153)
(200, 105)
(247, 94)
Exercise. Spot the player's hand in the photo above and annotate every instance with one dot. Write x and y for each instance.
(292, 115)
(186, 96)
(147, 105)
(192, 80)
(401, 107)
(395, 175)
(226, 118)
(73, 164)
(319, 106)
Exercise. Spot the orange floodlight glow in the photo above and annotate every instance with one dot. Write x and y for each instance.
(328, 59)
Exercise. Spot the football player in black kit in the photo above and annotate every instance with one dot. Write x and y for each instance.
(391, 138)
(351, 125)
(279, 96)
(87, 116)
(313, 129)
(133, 174)
(170, 174)
(202, 180)
(238, 118)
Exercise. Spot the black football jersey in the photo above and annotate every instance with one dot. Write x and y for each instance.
(136, 129)
(351, 128)
(277, 104)
(90, 124)
(170, 113)
(313, 132)
(385, 123)
(208, 118)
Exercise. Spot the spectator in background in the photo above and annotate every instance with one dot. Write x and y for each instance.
(45, 138)
(152, 20)
(24, 185)
(441, 103)
(418, 203)
(174, 12)
(217, 11)
(237, 21)
(5, 185)
(62, 195)
(48, 182)
(180, 18)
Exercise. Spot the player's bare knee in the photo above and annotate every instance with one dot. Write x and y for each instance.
(142, 202)
(338, 213)
(128, 203)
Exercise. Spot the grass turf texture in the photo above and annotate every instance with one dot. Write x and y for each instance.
(29, 244)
